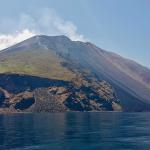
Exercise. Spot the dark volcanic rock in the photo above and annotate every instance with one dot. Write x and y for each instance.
(2, 97)
(57, 96)
(17, 83)
(25, 103)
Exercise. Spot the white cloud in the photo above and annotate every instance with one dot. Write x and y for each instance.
(8, 40)
(46, 22)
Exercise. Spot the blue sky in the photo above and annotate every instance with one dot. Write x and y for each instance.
(121, 26)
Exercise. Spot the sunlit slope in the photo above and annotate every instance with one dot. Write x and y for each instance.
(39, 62)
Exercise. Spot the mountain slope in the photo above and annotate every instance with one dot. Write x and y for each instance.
(60, 58)
(34, 61)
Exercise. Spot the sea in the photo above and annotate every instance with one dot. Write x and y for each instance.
(75, 131)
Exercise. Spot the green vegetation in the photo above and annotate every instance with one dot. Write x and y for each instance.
(35, 62)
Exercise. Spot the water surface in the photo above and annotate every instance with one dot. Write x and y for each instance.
(75, 131)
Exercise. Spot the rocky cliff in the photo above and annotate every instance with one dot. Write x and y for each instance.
(23, 93)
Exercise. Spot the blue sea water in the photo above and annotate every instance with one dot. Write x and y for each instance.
(75, 131)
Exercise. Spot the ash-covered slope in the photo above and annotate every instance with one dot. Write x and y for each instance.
(54, 57)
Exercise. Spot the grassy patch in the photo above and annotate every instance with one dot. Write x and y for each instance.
(35, 62)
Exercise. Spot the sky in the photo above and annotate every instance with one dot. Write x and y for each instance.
(120, 26)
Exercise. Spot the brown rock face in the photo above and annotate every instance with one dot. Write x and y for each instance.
(56, 96)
